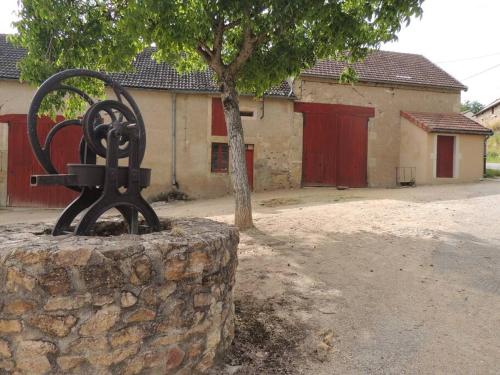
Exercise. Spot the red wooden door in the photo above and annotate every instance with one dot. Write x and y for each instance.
(352, 151)
(445, 150)
(320, 149)
(22, 164)
(249, 161)
(335, 150)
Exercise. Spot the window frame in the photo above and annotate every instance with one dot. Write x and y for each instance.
(215, 164)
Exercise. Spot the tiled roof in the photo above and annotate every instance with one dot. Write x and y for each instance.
(9, 56)
(391, 68)
(378, 67)
(445, 123)
(147, 73)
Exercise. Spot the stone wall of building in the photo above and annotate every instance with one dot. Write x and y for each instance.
(156, 303)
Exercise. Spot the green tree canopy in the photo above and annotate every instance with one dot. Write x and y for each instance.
(474, 106)
(262, 42)
(250, 45)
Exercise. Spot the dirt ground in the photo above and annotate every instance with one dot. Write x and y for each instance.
(362, 281)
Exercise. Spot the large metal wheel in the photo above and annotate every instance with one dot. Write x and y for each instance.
(123, 110)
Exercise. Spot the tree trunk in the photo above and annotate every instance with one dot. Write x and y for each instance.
(238, 170)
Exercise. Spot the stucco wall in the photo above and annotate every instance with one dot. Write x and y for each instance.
(275, 131)
(470, 151)
(155, 107)
(276, 138)
(14, 99)
(419, 149)
(414, 150)
(384, 129)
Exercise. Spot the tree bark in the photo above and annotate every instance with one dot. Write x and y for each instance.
(238, 170)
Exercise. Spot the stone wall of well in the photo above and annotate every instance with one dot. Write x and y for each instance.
(156, 303)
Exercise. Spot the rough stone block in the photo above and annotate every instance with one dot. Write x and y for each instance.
(174, 357)
(142, 271)
(203, 299)
(68, 362)
(31, 356)
(129, 335)
(56, 281)
(17, 279)
(106, 276)
(140, 315)
(10, 326)
(4, 349)
(85, 345)
(101, 321)
(128, 299)
(68, 302)
(54, 325)
(18, 307)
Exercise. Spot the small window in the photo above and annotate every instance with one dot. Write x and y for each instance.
(246, 113)
(220, 157)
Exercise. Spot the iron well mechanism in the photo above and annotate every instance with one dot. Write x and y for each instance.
(113, 130)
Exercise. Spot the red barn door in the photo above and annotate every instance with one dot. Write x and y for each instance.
(22, 164)
(352, 151)
(320, 149)
(335, 144)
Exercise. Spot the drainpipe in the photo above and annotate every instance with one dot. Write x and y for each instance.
(485, 154)
(174, 140)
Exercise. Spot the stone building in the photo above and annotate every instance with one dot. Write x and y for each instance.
(310, 131)
(489, 116)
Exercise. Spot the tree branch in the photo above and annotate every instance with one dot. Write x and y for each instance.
(208, 56)
(204, 52)
(232, 24)
(249, 43)
(218, 41)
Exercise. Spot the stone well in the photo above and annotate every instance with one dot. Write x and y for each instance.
(157, 303)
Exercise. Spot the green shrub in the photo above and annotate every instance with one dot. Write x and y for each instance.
(492, 173)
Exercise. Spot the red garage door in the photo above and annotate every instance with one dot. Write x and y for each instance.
(335, 144)
(22, 163)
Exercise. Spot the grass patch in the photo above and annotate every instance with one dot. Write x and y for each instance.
(493, 143)
(492, 173)
(493, 158)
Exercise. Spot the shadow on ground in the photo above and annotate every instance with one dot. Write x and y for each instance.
(391, 304)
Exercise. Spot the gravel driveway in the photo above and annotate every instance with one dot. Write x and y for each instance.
(371, 281)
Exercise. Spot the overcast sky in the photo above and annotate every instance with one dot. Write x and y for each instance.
(461, 36)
